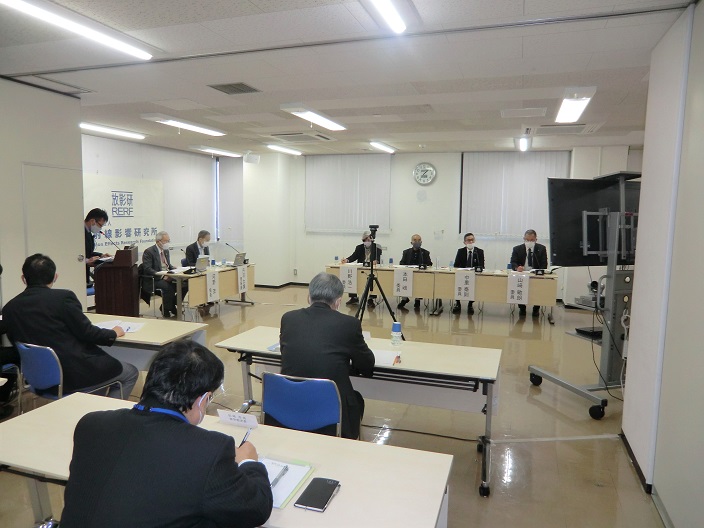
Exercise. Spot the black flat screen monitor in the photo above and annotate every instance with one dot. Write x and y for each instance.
(566, 201)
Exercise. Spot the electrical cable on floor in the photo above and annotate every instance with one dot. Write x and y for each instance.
(596, 316)
(421, 433)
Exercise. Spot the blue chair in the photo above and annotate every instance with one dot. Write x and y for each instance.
(184, 262)
(304, 404)
(42, 370)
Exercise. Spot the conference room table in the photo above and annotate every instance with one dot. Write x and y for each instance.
(439, 283)
(450, 377)
(380, 484)
(140, 347)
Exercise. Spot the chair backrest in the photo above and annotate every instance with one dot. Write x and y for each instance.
(304, 404)
(184, 262)
(41, 367)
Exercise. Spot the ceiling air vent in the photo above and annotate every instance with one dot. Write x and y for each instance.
(301, 137)
(234, 88)
(563, 130)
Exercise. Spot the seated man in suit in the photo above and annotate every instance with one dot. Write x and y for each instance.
(151, 465)
(155, 262)
(468, 256)
(320, 342)
(43, 315)
(415, 256)
(363, 254)
(199, 247)
(527, 256)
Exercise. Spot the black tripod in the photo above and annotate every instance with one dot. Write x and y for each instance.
(369, 287)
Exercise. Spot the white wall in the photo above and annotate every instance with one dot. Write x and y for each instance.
(679, 463)
(47, 146)
(231, 229)
(661, 155)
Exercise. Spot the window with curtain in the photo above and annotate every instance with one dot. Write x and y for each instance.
(347, 193)
(505, 193)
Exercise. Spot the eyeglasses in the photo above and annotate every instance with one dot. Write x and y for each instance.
(217, 393)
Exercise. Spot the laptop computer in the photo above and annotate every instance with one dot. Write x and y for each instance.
(239, 259)
(202, 263)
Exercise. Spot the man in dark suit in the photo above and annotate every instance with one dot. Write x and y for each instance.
(320, 342)
(155, 263)
(363, 254)
(151, 466)
(199, 247)
(95, 221)
(527, 256)
(415, 256)
(42, 315)
(468, 256)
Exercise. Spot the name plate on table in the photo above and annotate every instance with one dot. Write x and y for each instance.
(242, 278)
(464, 285)
(212, 279)
(238, 419)
(403, 282)
(348, 276)
(517, 289)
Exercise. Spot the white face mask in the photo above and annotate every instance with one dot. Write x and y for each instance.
(95, 229)
(530, 245)
(205, 243)
(367, 243)
(470, 245)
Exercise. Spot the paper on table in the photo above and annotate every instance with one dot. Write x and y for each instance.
(274, 348)
(385, 358)
(127, 327)
(106, 259)
(112, 323)
(289, 482)
(179, 269)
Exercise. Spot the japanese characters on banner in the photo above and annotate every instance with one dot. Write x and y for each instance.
(348, 276)
(517, 290)
(403, 282)
(242, 278)
(464, 285)
(212, 280)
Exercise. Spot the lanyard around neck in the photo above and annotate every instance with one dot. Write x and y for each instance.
(178, 415)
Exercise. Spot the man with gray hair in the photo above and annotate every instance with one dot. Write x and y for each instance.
(320, 342)
(198, 248)
(155, 263)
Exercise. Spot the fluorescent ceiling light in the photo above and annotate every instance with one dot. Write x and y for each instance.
(299, 110)
(112, 131)
(390, 15)
(284, 150)
(574, 103)
(523, 143)
(75, 27)
(382, 146)
(218, 152)
(172, 121)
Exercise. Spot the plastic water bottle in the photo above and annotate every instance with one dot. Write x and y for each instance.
(450, 266)
(396, 335)
(391, 261)
(337, 260)
(509, 267)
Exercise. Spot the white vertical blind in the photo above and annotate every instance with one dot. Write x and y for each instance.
(505, 193)
(347, 193)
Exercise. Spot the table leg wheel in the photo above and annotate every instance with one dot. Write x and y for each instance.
(535, 379)
(484, 490)
(480, 447)
(597, 412)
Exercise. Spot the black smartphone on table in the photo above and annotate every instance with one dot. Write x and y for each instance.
(318, 494)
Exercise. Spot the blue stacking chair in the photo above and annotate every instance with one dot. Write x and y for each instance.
(304, 404)
(184, 262)
(42, 370)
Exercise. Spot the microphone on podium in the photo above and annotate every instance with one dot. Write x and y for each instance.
(110, 239)
(233, 247)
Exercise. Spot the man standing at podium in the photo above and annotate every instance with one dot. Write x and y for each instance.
(156, 263)
(527, 256)
(93, 224)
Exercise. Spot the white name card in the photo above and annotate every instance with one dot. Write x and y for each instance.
(518, 287)
(238, 419)
(212, 279)
(242, 278)
(348, 276)
(464, 285)
(403, 282)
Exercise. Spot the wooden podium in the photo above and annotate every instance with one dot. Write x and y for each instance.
(117, 285)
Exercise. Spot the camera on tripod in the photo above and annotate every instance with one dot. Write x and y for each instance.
(372, 229)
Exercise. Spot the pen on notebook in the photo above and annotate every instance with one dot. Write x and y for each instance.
(246, 435)
(278, 477)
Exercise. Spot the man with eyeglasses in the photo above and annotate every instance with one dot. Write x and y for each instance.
(528, 256)
(93, 224)
(151, 466)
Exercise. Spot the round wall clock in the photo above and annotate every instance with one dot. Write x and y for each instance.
(424, 173)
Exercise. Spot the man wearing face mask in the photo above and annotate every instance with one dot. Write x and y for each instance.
(320, 342)
(47, 316)
(415, 256)
(468, 256)
(156, 262)
(150, 466)
(198, 248)
(93, 224)
(528, 256)
(363, 253)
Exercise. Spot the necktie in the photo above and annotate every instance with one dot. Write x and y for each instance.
(530, 258)
(163, 258)
(469, 258)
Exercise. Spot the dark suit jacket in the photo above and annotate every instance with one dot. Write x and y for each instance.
(89, 250)
(152, 260)
(319, 342)
(192, 253)
(358, 255)
(477, 258)
(140, 468)
(540, 256)
(411, 257)
(51, 317)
